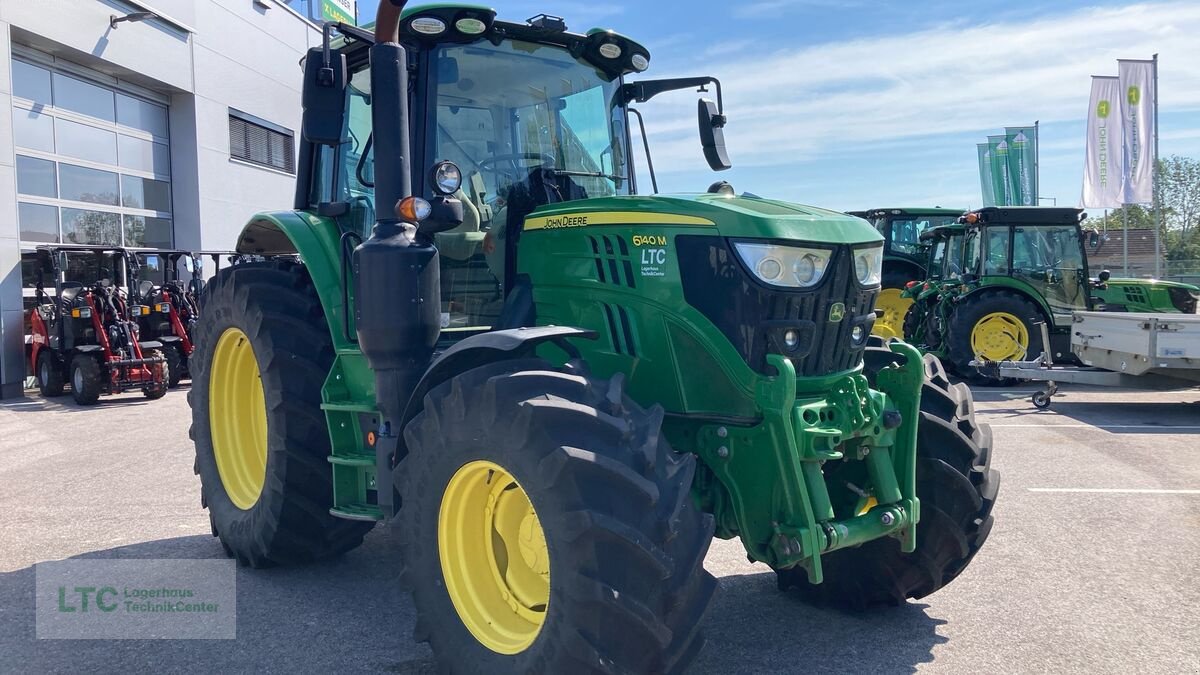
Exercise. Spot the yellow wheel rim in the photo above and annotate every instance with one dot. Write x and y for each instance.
(1000, 336)
(494, 557)
(894, 307)
(237, 416)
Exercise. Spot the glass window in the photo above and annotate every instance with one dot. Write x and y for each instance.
(80, 226)
(31, 82)
(36, 177)
(145, 193)
(139, 114)
(82, 184)
(83, 97)
(144, 155)
(144, 231)
(996, 260)
(85, 142)
(1050, 259)
(906, 232)
(33, 130)
(38, 222)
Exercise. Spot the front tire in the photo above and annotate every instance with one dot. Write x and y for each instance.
(174, 364)
(50, 377)
(957, 489)
(263, 350)
(86, 379)
(161, 384)
(617, 583)
(894, 306)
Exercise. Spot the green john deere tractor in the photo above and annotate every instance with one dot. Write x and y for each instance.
(560, 389)
(1002, 271)
(903, 258)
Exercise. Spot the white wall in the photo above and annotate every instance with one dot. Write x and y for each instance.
(211, 56)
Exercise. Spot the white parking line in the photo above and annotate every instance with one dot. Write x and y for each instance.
(1135, 491)
(1192, 427)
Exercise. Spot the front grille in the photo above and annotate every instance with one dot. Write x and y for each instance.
(754, 317)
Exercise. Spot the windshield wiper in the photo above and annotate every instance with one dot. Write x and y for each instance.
(588, 174)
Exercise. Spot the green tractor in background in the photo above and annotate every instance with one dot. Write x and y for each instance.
(1002, 271)
(564, 407)
(903, 258)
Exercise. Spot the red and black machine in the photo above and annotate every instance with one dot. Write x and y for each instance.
(86, 333)
(174, 302)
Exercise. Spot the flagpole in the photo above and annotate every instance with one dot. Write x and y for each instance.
(1037, 151)
(1124, 243)
(1154, 183)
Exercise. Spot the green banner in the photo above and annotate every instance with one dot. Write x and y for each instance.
(1002, 186)
(338, 10)
(1022, 165)
(986, 184)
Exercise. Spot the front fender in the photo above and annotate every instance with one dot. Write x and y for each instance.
(477, 350)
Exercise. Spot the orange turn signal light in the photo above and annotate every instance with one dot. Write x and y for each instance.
(413, 209)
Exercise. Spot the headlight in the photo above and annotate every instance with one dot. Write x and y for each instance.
(788, 266)
(139, 310)
(447, 178)
(82, 313)
(868, 265)
(164, 307)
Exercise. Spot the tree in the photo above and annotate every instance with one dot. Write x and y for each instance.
(1179, 192)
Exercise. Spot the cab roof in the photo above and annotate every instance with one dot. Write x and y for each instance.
(1045, 215)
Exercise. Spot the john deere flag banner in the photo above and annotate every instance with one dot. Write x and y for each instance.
(338, 10)
(986, 184)
(998, 148)
(1137, 117)
(1022, 162)
(1104, 167)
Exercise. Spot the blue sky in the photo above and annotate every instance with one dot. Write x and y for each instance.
(853, 104)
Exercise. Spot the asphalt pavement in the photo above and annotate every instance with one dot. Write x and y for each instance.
(1092, 564)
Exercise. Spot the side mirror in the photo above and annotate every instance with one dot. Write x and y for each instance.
(324, 98)
(188, 264)
(45, 261)
(1104, 276)
(712, 135)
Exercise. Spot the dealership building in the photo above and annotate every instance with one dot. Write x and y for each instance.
(145, 124)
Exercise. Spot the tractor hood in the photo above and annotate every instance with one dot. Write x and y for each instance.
(744, 217)
(1155, 283)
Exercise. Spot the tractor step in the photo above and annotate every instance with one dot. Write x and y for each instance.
(353, 460)
(368, 512)
(350, 407)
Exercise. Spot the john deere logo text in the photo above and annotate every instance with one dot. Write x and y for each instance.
(1102, 109)
(566, 221)
(836, 311)
(1134, 95)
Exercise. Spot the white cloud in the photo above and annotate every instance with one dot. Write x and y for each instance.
(799, 104)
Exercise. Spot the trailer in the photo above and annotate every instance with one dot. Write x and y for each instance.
(1134, 349)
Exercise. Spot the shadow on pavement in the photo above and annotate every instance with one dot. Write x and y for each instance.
(752, 627)
(1117, 417)
(350, 615)
(32, 402)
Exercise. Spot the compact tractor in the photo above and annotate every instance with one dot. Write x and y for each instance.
(654, 371)
(87, 335)
(903, 258)
(1000, 272)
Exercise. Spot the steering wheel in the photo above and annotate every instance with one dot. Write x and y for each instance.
(486, 163)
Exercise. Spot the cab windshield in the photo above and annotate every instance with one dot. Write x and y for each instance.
(528, 118)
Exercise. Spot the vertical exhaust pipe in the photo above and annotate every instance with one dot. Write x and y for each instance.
(397, 299)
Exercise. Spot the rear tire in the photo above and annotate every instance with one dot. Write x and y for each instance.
(957, 489)
(86, 379)
(159, 389)
(50, 377)
(625, 544)
(275, 305)
(970, 313)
